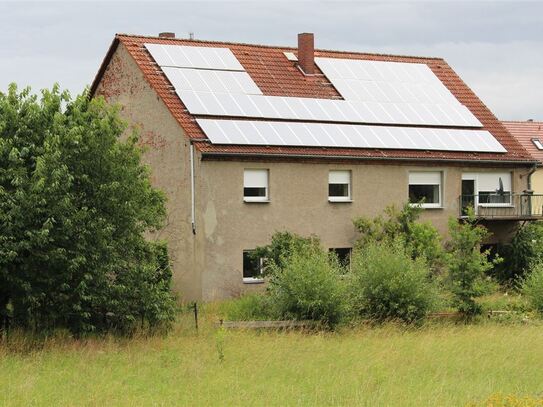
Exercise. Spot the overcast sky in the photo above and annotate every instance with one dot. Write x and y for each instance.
(496, 47)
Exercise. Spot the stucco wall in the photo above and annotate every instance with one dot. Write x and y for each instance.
(166, 152)
(537, 181)
(299, 203)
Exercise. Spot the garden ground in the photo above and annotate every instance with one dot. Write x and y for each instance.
(439, 364)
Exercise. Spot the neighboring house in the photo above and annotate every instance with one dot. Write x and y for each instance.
(246, 140)
(530, 135)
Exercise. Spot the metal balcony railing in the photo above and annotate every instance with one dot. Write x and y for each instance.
(503, 206)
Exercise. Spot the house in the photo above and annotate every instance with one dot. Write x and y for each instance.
(530, 135)
(249, 139)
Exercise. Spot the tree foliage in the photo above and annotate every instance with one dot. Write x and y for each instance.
(75, 203)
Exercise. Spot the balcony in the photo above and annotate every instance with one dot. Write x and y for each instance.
(504, 206)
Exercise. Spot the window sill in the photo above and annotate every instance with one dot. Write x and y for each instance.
(246, 200)
(339, 200)
(496, 205)
(251, 280)
(426, 206)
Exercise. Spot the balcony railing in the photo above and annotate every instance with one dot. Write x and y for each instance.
(503, 206)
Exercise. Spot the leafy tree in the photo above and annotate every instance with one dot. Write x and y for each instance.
(75, 203)
(532, 287)
(467, 264)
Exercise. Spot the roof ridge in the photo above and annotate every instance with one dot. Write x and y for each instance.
(422, 58)
(523, 121)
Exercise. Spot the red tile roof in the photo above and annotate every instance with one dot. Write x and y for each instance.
(524, 132)
(275, 75)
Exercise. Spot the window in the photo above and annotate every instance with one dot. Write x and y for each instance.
(537, 143)
(252, 268)
(344, 256)
(339, 186)
(425, 187)
(494, 188)
(255, 186)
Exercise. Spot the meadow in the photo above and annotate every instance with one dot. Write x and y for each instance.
(438, 364)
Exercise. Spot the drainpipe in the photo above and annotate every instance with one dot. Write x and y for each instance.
(192, 200)
(534, 169)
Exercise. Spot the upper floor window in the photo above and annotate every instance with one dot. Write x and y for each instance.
(493, 188)
(425, 188)
(537, 143)
(255, 186)
(339, 186)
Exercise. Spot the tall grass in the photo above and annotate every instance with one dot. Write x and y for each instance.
(436, 365)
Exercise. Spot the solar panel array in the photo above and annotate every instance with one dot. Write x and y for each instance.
(307, 109)
(245, 132)
(380, 81)
(212, 82)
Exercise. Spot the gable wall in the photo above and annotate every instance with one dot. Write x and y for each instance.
(167, 154)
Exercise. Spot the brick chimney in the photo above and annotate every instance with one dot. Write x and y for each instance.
(306, 52)
(166, 35)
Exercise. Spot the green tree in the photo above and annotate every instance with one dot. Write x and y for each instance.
(75, 203)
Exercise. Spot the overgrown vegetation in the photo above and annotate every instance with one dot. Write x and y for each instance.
(532, 287)
(467, 264)
(387, 283)
(75, 203)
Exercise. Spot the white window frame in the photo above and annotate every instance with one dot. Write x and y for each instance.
(256, 178)
(340, 177)
(253, 280)
(474, 176)
(422, 181)
(537, 142)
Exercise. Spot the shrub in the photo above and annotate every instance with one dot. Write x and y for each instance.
(522, 253)
(467, 264)
(308, 287)
(282, 246)
(387, 283)
(532, 287)
(420, 239)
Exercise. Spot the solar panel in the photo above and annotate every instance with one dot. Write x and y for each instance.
(307, 109)
(381, 81)
(205, 80)
(184, 56)
(245, 132)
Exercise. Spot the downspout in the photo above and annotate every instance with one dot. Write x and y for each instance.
(534, 169)
(192, 192)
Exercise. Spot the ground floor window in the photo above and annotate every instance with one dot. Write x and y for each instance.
(343, 255)
(252, 268)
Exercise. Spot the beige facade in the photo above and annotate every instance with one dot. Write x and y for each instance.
(208, 264)
(537, 182)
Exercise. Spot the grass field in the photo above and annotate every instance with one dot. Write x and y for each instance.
(437, 365)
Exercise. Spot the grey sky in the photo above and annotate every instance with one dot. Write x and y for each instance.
(496, 47)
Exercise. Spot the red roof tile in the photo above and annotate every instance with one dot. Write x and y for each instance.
(524, 132)
(275, 75)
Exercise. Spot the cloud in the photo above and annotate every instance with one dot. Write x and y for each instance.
(497, 47)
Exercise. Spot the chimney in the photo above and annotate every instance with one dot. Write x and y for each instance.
(166, 35)
(306, 53)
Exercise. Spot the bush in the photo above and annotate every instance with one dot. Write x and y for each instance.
(532, 287)
(249, 307)
(308, 286)
(387, 283)
(282, 246)
(522, 253)
(420, 239)
(467, 265)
